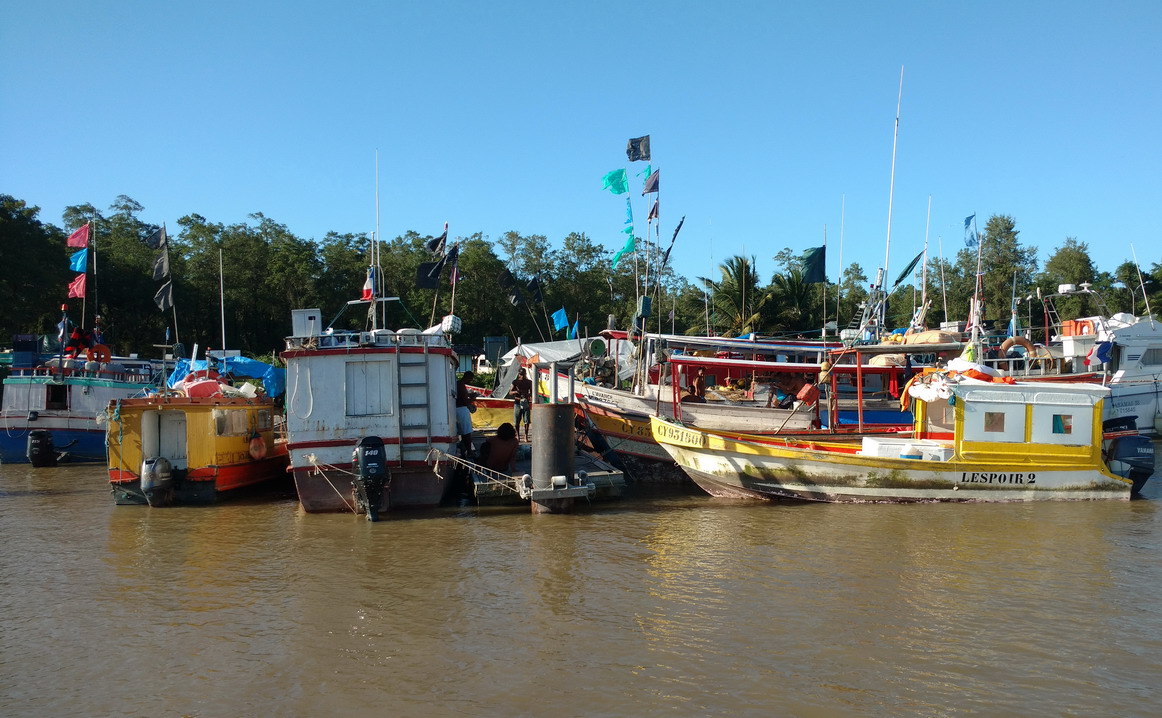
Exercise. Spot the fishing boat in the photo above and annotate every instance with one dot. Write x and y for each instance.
(777, 399)
(52, 400)
(194, 443)
(394, 389)
(973, 440)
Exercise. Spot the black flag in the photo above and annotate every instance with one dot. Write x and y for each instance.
(666, 256)
(638, 149)
(428, 274)
(815, 265)
(161, 266)
(506, 279)
(157, 240)
(514, 296)
(653, 212)
(436, 244)
(164, 297)
(534, 287)
(651, 183)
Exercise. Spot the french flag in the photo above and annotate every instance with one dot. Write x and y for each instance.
(369, 285)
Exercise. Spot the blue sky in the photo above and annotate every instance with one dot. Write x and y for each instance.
(765, 117)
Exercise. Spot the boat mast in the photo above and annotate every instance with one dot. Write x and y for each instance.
(891, 191)
(375, 255)
(839, 275)
(222, 299)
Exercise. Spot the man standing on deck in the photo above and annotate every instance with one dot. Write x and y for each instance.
(464, 413)
(698, 383)
(521, 394)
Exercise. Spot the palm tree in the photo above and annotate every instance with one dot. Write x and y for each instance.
(736, 300)
(795, 298)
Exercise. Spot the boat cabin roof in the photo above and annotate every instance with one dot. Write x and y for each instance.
(690, 360)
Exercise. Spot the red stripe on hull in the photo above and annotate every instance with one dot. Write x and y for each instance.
(225, 478)
(322, 443)
(296, 353)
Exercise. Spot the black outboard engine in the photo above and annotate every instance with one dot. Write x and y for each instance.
(371, 476)
(41, 453)
(1131, 457)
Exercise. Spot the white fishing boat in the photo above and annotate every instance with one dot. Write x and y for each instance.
(973, 441)
(389, 391)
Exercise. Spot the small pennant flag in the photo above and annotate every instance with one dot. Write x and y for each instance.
(79, 238)
(158, 239)
(79, 262)
(628, 212)
(560, 319)
(651, 183)
(653, 212)
(77, 287)
(615, 181)
(970, 234)
(638, 149)
(573, 330)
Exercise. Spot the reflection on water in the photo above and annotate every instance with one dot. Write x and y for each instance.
(660, 605)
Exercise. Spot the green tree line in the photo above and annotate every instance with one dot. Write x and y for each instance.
(267, 271)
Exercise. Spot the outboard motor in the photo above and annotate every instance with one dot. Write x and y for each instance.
(157, 481)
(1131, 457)
(371, 476)
(41, 453)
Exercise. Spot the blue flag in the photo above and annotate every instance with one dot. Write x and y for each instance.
(79, 261)
(628, 212)
(629, 247)
(615, 181)
(970, 234)
(573, 330)
(560, 319)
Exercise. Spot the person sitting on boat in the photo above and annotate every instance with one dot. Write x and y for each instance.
(521, 393)
(464, 408)
(499, 452)
(691, 396)
(698, 383)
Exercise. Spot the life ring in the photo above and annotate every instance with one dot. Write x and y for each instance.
(257, 448)
(99, 353)
(1082, 327)
(1018, 342)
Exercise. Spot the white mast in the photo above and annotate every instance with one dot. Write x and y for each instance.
(892, 183)
(222, 299)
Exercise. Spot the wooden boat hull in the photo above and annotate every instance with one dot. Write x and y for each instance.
(731, 467)
(206, 485)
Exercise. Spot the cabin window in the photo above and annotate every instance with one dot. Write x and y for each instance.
(369, 387)
(1062, 425)
(994, 421)
(264, 420)
(1152, 357)
(229, 422)
(57, 396)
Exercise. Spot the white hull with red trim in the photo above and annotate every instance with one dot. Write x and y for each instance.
(344, 386)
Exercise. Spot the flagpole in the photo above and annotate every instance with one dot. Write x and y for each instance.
(173, 305)
(892, 183)
(375, 257)
(943, 285)
(85, 296)
(839, 276)
(823, 329)
(96, 303)
(222, 297)
(924, 271)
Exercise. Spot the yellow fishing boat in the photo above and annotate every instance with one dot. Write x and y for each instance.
(174, 448)
(972, 441)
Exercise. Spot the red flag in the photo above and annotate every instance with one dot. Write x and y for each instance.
(80, 238)
(77, 287)
(369, 286)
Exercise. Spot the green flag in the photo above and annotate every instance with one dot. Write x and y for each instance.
(815, 265)
(616, 182)
(629, 247)
(908, 270)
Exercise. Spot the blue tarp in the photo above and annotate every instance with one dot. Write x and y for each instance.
(273, 379)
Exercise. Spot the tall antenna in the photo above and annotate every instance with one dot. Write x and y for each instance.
(375, 254)
(222, 298)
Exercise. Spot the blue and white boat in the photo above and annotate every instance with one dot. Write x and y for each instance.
(52, 403)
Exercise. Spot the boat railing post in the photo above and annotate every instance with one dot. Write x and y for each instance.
(553, 382)
(859, 389)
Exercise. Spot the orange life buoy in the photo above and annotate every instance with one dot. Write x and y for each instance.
(1082, 327)
(257, 448)
(98, 353)
(1018, 342)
